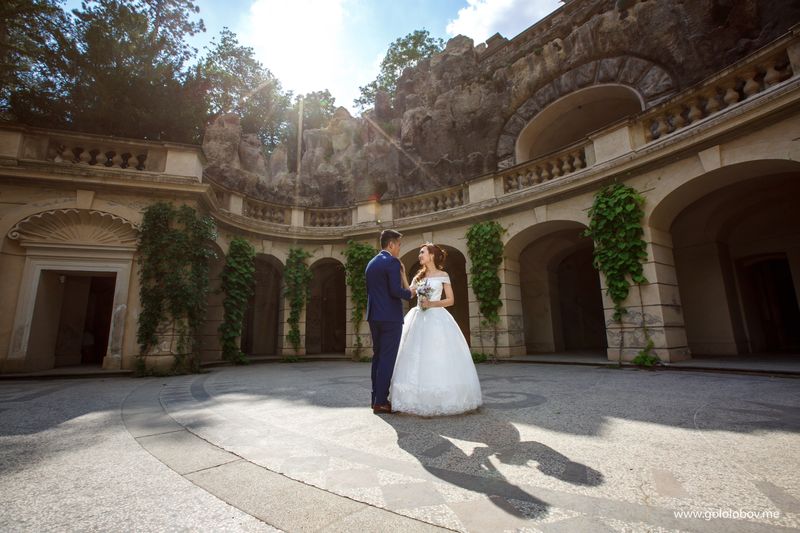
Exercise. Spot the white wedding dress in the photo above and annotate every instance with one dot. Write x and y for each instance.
(434, 373)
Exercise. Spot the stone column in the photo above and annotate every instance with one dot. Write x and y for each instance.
(510, 330)
(711, 302)
(351, 345)
(655, 306)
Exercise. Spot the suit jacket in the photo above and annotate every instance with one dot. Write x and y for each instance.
(384, 290)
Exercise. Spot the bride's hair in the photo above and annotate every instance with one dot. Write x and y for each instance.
(439, 258)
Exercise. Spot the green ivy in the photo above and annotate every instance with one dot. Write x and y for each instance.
(237, 283)
(485, 248)
(616, 228)
(173, 256)
(297, 276)
(357, 256)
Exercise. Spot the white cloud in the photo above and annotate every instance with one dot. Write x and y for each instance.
(483, 18)
(302, 43)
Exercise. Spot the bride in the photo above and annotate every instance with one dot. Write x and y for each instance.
(434, 373)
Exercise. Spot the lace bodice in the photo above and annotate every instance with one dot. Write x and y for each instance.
(436, 284)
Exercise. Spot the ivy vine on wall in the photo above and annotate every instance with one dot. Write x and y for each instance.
(616, 227)
(297, 276)
(237, 284)
(357, 255)
(173, 256)
(485, 248)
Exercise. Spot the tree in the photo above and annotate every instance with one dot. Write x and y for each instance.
(35, 45)
(402, 53)
(129, 71)
(237, 82)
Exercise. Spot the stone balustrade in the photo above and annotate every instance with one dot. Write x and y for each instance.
(432, 202)
(766, 69)
(561, 163)
(82, 153)
(101, 152)
(328, 218)
(753, 75)
(266, 212)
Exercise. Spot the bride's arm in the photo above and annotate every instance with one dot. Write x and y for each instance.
(447, 301)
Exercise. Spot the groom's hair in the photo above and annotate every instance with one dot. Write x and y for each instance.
(389, 235)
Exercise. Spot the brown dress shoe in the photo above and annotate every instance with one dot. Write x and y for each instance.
(382, 409)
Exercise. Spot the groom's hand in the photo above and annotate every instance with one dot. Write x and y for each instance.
(413, 291)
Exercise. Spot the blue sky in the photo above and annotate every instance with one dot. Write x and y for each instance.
(338, 44)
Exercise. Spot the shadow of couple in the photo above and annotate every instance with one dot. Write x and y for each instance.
(483, 452)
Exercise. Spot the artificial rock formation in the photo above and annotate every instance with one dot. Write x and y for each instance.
(458, 114)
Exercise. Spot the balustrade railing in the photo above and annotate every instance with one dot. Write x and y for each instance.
(754, 76)
(328, 218)
(266, 212)
(562, 163)
(432, 202)
(81, 152)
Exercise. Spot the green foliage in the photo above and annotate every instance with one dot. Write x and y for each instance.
(118, 67)
(290, 359)
(238, 83)
(127, 70)
(619, 250)
(34, 46)
(479, 357)
(646, 357)
(485, 248)
(173, 255)
(357, 255)
(297, 276)
(237, 283)
(404, 52)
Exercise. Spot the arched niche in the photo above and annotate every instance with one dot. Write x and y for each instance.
(573, 117)
(326, 312)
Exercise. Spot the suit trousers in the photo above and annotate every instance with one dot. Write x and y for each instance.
(385, 343)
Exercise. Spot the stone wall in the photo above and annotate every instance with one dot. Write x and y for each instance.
(458, 114)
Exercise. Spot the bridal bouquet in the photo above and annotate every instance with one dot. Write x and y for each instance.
(423, 291)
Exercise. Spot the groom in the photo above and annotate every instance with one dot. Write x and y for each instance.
(385, 315)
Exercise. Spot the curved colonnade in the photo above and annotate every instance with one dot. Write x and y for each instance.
(718, 165)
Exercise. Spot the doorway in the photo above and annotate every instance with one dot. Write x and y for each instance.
(326, 312)
(771, 308)
(72, 318)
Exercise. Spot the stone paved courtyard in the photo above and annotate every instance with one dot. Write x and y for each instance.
(295, 447)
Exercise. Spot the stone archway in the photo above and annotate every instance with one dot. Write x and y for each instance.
(73, 292)
(261, 332)
(573, 117)
(735, 236)
(456, 267)
(326, 312)
(560, 295)
(647, 79)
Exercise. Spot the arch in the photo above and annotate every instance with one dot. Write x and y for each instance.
(573, 117)
(736, 247)
(642, 76)
(561, 301)
(326, 312)
(674, 200)
(456, 267)
(261, 328)
(518, 241)
(72, 293)
(75, 227)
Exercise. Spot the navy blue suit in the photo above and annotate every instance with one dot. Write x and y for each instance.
(385, 316)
